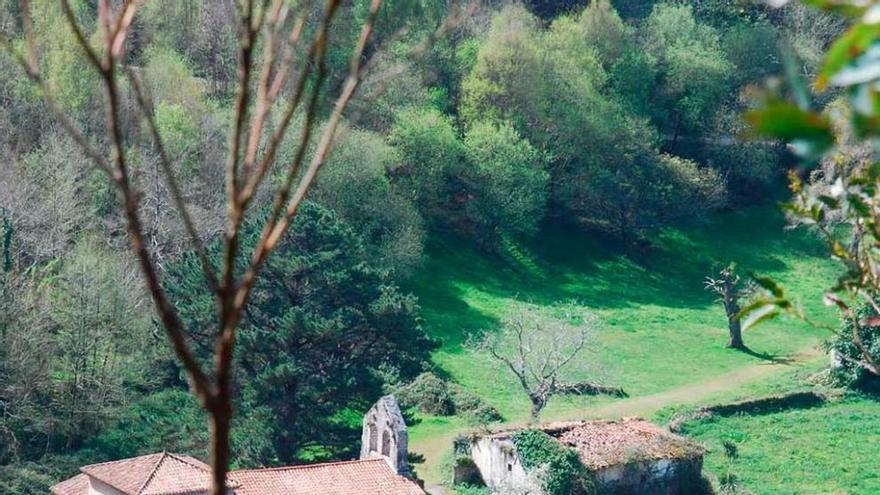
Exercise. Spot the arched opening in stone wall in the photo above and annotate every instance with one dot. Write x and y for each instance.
(386, 443)
(374, 439)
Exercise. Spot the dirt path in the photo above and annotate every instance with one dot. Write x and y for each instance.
(693, 394)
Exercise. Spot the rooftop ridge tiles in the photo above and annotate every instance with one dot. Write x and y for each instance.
(311, 466)
(98, 464)
(152, 472)
(110, 483)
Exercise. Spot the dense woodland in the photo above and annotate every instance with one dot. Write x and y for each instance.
(616, 118)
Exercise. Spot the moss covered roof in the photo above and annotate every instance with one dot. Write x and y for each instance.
(605, 443)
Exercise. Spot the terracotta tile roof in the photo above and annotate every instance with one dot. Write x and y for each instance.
(365, 477)
(170, 474)
(154, 474)
(176, 475)
(605, 443)
(78, 485)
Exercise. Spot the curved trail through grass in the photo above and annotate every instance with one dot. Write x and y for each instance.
(435, 447)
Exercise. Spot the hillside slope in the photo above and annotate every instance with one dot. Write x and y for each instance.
(661, 332)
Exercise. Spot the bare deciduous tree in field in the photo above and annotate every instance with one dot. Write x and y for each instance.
(548, 353)
(281, 69)
(732, 290)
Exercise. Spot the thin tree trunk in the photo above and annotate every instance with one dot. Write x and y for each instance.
(220, 426)
(731, 307)
(537, 407)
(736, 341)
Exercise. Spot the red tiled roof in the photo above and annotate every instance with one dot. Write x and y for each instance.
(364, 477)
(78, 485)
(154, 474)
(169, 474)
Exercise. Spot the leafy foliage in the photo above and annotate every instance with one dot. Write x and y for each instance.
(355, 185)
(471, 490)
(25, 479)
(508, 180)
(848, 369)
(563, 472)
(505, 124)
(322, 323)
(693, 70)
(430, 394)
(839, 201)
(170, 420)
(431, 157)
(553, 87)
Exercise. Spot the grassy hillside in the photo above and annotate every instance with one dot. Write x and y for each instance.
(661, 329)
(830, 449)
(663, 335)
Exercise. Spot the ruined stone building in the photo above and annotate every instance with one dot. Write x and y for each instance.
(384, 435)
(381, 470)
(626, 457)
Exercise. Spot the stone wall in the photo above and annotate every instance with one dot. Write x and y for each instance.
(501, 471)
(501, 468)
(384, 435)
(654, 477)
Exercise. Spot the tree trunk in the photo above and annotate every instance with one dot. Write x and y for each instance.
(731, 307)
(736, 341)
(537, 406)
(221, 420)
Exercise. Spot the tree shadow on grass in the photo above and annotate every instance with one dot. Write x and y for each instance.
(773, 358)
(448, 317)
(869, 388)
(462, 289)
(565, 262)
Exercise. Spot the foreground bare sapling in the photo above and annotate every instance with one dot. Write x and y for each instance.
(264, 74)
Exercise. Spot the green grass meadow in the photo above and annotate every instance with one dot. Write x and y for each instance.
(660, 328)
(825, 450)
(661, 331)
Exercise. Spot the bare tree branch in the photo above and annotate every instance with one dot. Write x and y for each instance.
(544, 353)
(80, 37)
(171, 179)
(31, 69)
(277, 225)
(263, 101)
(230, 291)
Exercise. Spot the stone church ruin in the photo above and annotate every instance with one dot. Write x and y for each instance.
(384, 435)
(626, 457)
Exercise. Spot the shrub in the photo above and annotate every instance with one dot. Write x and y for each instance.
(473, 408)
(430, 394)
(171, 80)
(693, 68)
(846, 370)
(170, 419)
(25, 479)
(510, 183)
(431, 157)
(472, 490)
(179, 132)
(563, 472)
(355, 185)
